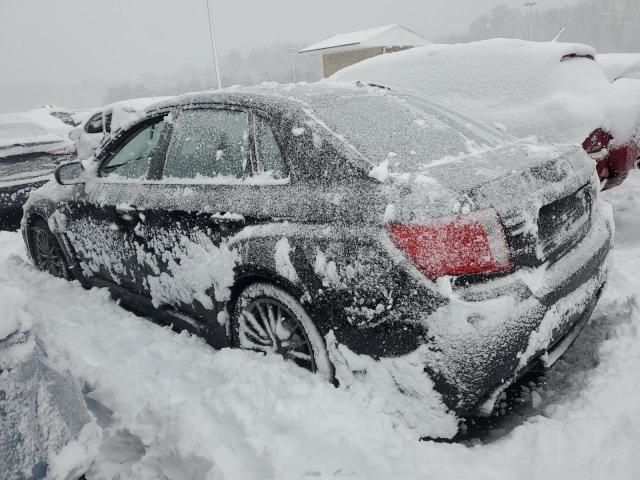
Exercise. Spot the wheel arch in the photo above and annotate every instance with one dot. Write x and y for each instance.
(249, 276)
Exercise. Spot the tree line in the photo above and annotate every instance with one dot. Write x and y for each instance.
(607, 25)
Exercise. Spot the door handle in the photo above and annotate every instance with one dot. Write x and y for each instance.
(227, 218)
(127, 212)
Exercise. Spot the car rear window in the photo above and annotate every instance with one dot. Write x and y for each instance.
(410, 132)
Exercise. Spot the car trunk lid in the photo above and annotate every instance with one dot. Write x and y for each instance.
(544, 196)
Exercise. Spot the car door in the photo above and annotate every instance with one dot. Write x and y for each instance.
(207, 196)
(103, 224)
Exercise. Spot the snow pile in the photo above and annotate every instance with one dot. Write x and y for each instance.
(551, 90)
(397, 386)
(43, 417)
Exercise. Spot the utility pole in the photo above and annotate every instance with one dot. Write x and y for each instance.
(530, 5)
(293, 51)
(214, 51)
(602, 33)
(603, 17)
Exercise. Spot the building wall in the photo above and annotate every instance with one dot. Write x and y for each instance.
(332, 62)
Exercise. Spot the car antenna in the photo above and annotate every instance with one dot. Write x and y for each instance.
(559, 34)
(360, 83)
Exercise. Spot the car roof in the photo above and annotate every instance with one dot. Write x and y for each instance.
(267, 95)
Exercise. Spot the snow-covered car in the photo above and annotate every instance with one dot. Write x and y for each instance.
(55, 119)
(623, 70)
(336, 223)
(46, 430)
(28, 155)
(554, 91)
(92, 131)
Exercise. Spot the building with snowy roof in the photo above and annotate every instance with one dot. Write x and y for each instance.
(345, 49)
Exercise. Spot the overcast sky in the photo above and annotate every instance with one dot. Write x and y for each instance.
(47, 43)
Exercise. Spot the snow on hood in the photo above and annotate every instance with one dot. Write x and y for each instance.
(552, 90)
(20, 130)
(43, 117)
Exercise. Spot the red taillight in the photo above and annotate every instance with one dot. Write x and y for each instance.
(597, 141)
(464, 245)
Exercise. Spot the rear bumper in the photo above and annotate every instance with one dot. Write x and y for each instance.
(490, 335)
(544, 359)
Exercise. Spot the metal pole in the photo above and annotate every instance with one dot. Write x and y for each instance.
(293, 63)
(214, 51)
(530, 5)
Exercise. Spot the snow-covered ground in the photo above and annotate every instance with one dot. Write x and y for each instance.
(171, 407)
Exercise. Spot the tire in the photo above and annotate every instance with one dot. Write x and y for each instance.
(46, 252)
(268, 319)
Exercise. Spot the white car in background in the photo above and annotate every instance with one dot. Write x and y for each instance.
(100, 122)
(57, 120)
(29, 152)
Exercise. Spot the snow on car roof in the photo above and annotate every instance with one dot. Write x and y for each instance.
(378, 124)
(134, 104)
(552, 90)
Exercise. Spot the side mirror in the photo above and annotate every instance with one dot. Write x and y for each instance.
(69, 173)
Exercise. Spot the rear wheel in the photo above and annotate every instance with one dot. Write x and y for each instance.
(269, 320)
(46, 251)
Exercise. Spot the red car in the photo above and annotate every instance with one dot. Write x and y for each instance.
(623, 71)
(613, 163)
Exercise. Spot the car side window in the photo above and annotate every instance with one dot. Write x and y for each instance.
(94, 125)
(268, 155)
(209, 143)
(134, 158)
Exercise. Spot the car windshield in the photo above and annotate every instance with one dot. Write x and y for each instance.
(64, 117)
(410, 132)
(20, 130)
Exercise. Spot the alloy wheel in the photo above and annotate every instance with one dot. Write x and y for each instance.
(268, 326)
(46, 253)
